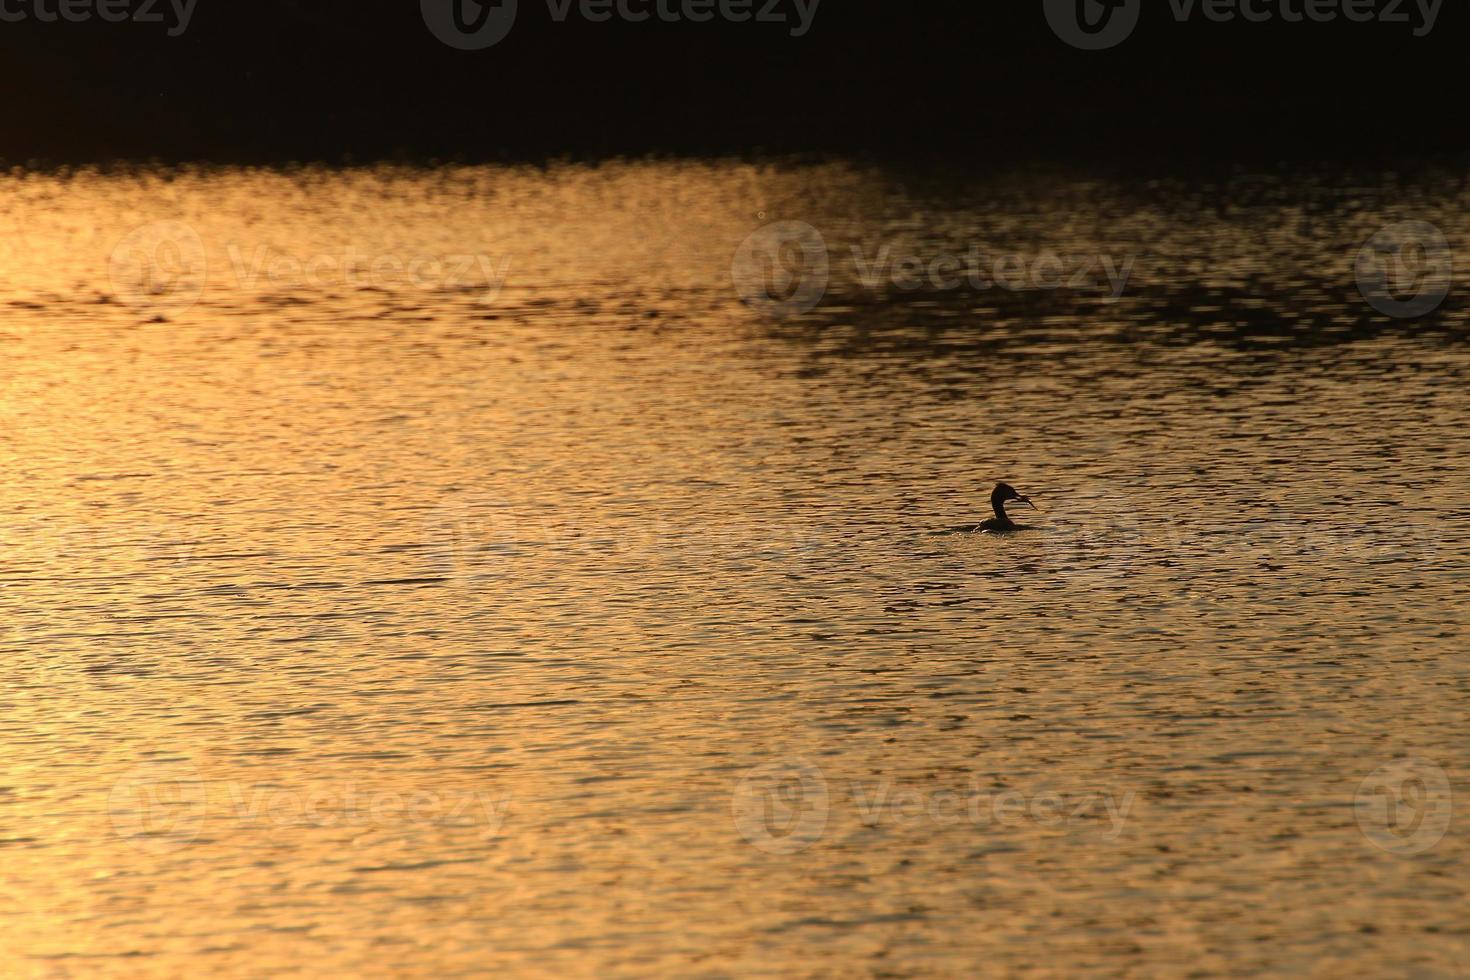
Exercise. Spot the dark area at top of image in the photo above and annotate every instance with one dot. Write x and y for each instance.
(978, 82)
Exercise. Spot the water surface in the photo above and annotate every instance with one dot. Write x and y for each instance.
(446, 572)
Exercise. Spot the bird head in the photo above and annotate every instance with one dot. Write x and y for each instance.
(1004, 492)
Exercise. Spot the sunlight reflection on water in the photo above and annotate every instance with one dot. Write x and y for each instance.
(448, 570)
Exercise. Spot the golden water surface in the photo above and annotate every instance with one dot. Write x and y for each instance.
(449, 572)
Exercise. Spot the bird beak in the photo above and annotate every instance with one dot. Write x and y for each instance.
(1028, 503)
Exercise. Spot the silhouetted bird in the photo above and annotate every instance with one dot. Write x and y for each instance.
(1000, 522)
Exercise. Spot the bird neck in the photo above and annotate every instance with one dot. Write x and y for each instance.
(999, 507)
